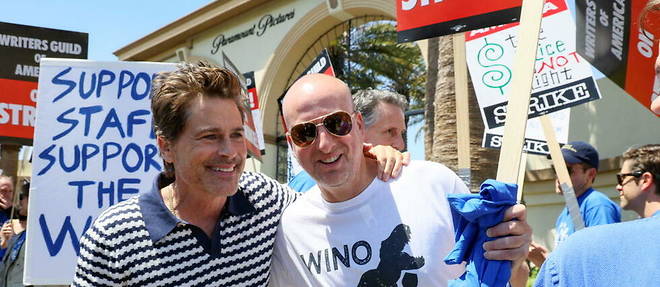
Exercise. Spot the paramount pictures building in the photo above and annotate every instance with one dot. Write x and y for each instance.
(277, 40)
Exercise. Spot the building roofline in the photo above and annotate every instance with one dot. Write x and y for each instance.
(184, 28)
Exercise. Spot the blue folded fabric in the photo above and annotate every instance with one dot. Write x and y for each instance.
(473, 214)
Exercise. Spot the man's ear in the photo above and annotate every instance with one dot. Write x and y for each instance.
(165, 148)
(359, 121)
(647, 181)
(592, 173)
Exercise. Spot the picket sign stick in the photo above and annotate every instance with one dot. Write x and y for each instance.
(521, 176)
(562, 172)
(14, 201)
(462, 112)
(521, 88)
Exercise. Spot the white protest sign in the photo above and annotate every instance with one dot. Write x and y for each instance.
(93, 147)
(253, 134)
(535, 141)
(255, 108)
(562, 78)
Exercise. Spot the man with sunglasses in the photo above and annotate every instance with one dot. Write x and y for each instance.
(384, 120)
(595, 207)
(353, 229)
(623, 254)
(639, 175)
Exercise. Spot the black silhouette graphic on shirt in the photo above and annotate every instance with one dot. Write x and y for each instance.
(393, 261)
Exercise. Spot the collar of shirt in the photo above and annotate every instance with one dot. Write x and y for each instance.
(656, 214)
(160, 221)
(581, 198)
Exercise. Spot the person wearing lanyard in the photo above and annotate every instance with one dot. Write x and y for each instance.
(621, 254)
(13, 261)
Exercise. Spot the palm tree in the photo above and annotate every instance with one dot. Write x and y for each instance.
(440, 126)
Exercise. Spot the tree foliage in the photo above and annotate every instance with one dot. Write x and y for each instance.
(368, 56)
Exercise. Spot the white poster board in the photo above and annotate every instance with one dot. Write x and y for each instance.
(255, 108)
(535, 141)
(562, 78)
(93, 147)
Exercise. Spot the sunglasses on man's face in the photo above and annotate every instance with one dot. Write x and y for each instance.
(620, 177)
(338, 123)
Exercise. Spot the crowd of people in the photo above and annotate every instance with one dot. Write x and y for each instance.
(357, 216)
(13, 216)
(208, 222)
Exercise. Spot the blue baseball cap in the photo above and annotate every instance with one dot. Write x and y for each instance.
(580, 152)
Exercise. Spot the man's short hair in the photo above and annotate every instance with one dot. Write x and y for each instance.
(646, 158)
(173, 91)
(366, 101)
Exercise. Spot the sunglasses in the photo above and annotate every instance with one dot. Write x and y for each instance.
(337, 123)
(621, 176)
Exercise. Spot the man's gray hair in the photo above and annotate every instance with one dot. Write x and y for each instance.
(365, 102)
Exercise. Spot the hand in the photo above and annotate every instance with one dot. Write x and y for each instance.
(516, 235)
(537, 254)
(6, 233)
(390, 160)
(4, 203)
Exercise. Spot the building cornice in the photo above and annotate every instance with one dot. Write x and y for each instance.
(183, 29)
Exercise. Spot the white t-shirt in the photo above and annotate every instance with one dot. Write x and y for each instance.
(394, 233)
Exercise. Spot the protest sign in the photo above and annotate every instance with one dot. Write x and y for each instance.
(21, 49)
(561, 77)
(252, 134)
(535, 138)
(424, 19)
(255, 109)
(320, 65)
(610, 37)
(93, 147)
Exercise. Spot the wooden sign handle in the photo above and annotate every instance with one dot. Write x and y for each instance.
(562, 173)
(462, 111)
(519, 94)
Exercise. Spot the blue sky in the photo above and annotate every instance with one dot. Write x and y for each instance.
(110, 24)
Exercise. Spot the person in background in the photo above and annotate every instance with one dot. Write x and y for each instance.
(651, 17)
(384, 119)
(595, 207)
(13, 236)
(622, 254)
(6, 202)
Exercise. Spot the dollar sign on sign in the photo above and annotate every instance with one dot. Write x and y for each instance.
(497, 76)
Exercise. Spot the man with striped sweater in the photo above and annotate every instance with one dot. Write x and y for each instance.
(205, 222)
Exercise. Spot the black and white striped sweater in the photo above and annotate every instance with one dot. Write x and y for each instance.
(140, 243)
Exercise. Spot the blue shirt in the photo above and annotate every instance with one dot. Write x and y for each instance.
(622, 254)
(302, 182)
(3, 218)
(596, 209)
